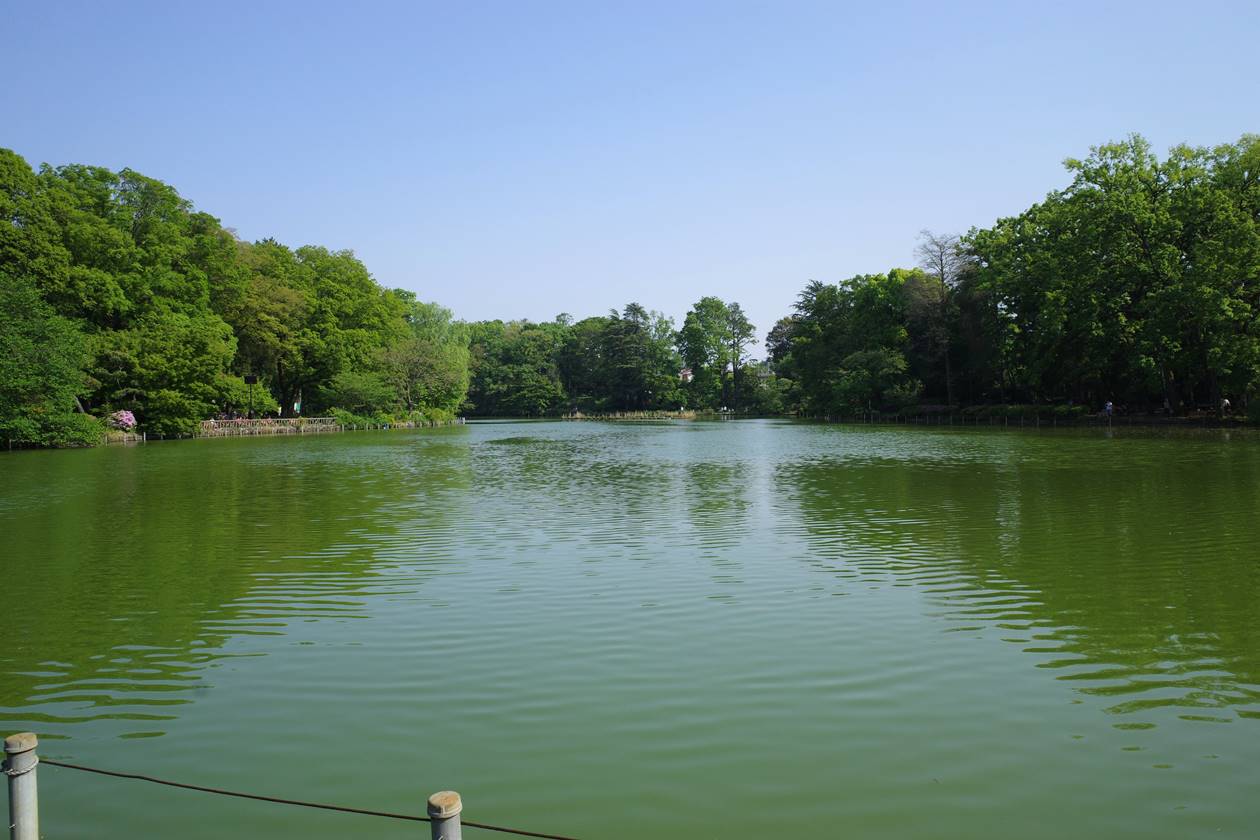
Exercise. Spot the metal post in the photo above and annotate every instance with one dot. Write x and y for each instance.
(19, 766)
(444, 808)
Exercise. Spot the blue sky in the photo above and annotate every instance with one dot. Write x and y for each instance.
(520, 159)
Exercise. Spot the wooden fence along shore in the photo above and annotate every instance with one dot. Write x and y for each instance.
(268, 426)
(292, 426)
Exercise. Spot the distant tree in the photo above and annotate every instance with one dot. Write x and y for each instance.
(583, 366)
(741, 333)
(779, 341)
(712, 342)
(942, 257)
(848, 345)
(703, 339)
(515, 370)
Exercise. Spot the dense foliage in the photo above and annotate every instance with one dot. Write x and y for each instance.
(632, 360)
(118, 295)
(1138, 283)
(623, 361)
(41, 362)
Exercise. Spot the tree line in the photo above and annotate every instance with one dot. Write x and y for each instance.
(118, 298)
(628, 360)
(1138, 283)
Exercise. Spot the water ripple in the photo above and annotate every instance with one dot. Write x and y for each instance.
(654, 616)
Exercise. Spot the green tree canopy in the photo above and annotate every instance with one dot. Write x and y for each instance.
(41, 359)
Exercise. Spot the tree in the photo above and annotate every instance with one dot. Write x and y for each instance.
(173, 309)
(583, 366)
(779, 342)
(1136, 283)
(703, 339)
(428, 368)
(514, 369)
(849, 342)
(873, 378)
(944, 260)
(306, 315)
(712, 341)
(41, 355)
(30, 238)
(740, 333)
(169, 369)
(639, 360)
(366, 394)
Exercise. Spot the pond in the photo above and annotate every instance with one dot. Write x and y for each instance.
(687, 629)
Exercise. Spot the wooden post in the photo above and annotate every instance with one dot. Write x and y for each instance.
(444, 808)
(19, 766)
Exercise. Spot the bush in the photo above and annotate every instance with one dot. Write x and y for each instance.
(77, 430)
(432, 417)
(363, 394)
(350, 418)
(123, 420)
(172, 413)
(419, 417)
(55, 430)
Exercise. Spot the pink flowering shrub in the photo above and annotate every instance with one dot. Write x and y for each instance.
(124, 420)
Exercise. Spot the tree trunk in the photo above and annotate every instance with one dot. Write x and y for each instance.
(1171, 391)
(949, 373)
(283, 391)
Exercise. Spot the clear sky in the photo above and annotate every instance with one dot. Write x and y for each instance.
(520, 159)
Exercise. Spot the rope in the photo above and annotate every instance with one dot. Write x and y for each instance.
(11, 773)
(321, 805)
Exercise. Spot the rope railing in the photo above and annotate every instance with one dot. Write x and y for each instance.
(443, 808)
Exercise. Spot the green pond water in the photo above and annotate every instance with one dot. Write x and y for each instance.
(673, 630)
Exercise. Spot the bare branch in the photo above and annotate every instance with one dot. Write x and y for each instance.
(941, 256)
